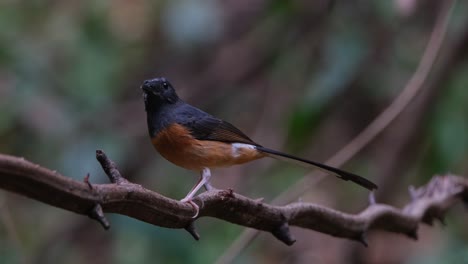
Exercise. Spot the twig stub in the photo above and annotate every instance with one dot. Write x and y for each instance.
(110, 168)
(283, 234)
(192, 231)
(97, 214)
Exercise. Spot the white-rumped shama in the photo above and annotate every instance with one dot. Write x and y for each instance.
(196, 140)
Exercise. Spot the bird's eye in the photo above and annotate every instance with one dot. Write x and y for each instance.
(165, 85)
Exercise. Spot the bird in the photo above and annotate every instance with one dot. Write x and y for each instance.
(195, 140)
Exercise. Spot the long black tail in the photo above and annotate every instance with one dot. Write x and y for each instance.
(307, 163)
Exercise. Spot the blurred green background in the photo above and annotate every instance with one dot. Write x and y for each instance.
(300, 76)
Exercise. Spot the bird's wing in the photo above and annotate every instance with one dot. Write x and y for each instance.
(203, 126)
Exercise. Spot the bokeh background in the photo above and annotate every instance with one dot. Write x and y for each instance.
(300, 76)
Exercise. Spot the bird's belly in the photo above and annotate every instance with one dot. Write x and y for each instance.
(185, 151)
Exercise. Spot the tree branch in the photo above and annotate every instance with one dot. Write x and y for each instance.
(427, 203)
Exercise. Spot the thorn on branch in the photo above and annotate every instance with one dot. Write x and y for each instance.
(362, 239)
(428, 220)
(191, 229)
(413, 234)
(229, 193)
(429, 217)
(441, 220)
(110, 168)
(97, 214)
(86, 180)
(434, 215)
(283, 234)
(259, 200)
(465, 202)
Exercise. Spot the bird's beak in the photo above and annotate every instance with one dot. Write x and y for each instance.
(145, 88)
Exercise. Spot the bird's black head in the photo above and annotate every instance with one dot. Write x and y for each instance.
(158, 92)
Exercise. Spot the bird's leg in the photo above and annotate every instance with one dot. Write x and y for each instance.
(208, 186)
(206, 174)
(192, 191)
(203, 181)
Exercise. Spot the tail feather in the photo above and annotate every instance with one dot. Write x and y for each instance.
(303, 162)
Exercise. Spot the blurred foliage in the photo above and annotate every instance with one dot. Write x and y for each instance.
(450, 127)
(302, 76)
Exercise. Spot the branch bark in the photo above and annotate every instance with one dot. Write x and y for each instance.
(427, 203)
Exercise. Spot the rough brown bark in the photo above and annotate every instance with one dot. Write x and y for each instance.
(427, 203)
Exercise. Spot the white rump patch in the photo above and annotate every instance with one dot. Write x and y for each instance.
(237, 148)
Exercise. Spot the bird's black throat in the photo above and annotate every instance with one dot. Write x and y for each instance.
(159, 112)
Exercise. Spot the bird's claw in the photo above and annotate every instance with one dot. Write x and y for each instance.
(193, 204)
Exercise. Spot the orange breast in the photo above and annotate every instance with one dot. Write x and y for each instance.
(177, 145)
